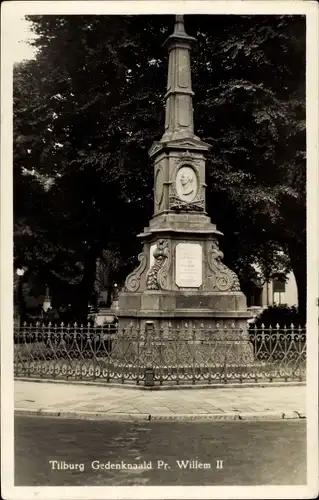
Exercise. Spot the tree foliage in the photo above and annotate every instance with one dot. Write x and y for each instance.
(253, 114)
(89, 106)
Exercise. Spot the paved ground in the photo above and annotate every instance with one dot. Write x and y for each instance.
(253, 453)
(85, 401)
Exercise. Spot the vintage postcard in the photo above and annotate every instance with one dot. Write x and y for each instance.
(159, 249)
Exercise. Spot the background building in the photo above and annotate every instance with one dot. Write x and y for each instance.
(275, 291)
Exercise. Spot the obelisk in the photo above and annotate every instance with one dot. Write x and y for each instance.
(181, 277)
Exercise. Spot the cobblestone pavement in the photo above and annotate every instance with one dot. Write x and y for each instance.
(89, 401)
(195, 453)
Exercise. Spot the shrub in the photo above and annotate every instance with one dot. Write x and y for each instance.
(279, 314)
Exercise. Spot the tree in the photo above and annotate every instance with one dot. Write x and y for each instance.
(253, 114)
(90, 105)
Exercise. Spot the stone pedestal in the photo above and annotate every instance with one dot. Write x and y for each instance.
(105, 316)
(180, 281)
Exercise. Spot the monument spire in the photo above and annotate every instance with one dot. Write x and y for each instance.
(179, 28)
(179, 123)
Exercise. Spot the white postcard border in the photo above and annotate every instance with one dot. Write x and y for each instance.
(10, 10)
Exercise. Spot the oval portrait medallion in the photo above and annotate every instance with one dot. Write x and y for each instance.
(186, 183)
(159, 186)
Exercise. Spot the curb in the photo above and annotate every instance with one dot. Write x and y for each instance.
(230, 416)
(175, 387)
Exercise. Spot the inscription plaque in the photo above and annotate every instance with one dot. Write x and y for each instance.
(188, 265)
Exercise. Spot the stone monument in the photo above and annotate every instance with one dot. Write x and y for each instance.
(106, 312)
(181, 277)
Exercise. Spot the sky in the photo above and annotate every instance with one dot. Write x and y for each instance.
(18, 36)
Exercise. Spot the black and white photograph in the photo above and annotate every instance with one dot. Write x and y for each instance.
(159, 267)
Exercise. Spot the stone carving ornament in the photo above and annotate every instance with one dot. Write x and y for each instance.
(159, 186)
(133, 281)
(186, 193)
(162, 276)
(225, 279)
(186, 183)
(157, 276)
(186, 157)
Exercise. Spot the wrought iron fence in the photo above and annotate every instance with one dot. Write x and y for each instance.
(149, 356)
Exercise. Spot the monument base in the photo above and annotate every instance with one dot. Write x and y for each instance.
(177, 352)
(105, 316)
(185, 336)
(177, 307)
(194, 320)
(187, 302)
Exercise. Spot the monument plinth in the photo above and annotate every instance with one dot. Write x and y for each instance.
(181, 277)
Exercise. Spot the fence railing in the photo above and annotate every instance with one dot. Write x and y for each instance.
(150, 356)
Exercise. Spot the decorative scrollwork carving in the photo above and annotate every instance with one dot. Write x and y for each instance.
(163, 273)
(225, 279)
(186, 157)
(133, 281)
(177, 202)
(185, 206)
(157, 275)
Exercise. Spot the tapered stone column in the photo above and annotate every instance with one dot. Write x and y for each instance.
(179, 121)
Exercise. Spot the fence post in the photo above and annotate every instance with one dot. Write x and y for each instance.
(149, 370)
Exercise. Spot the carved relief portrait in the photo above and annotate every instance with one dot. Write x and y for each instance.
(186, 183)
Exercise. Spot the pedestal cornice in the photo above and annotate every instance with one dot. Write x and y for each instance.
(172, 142)
(191, 223)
